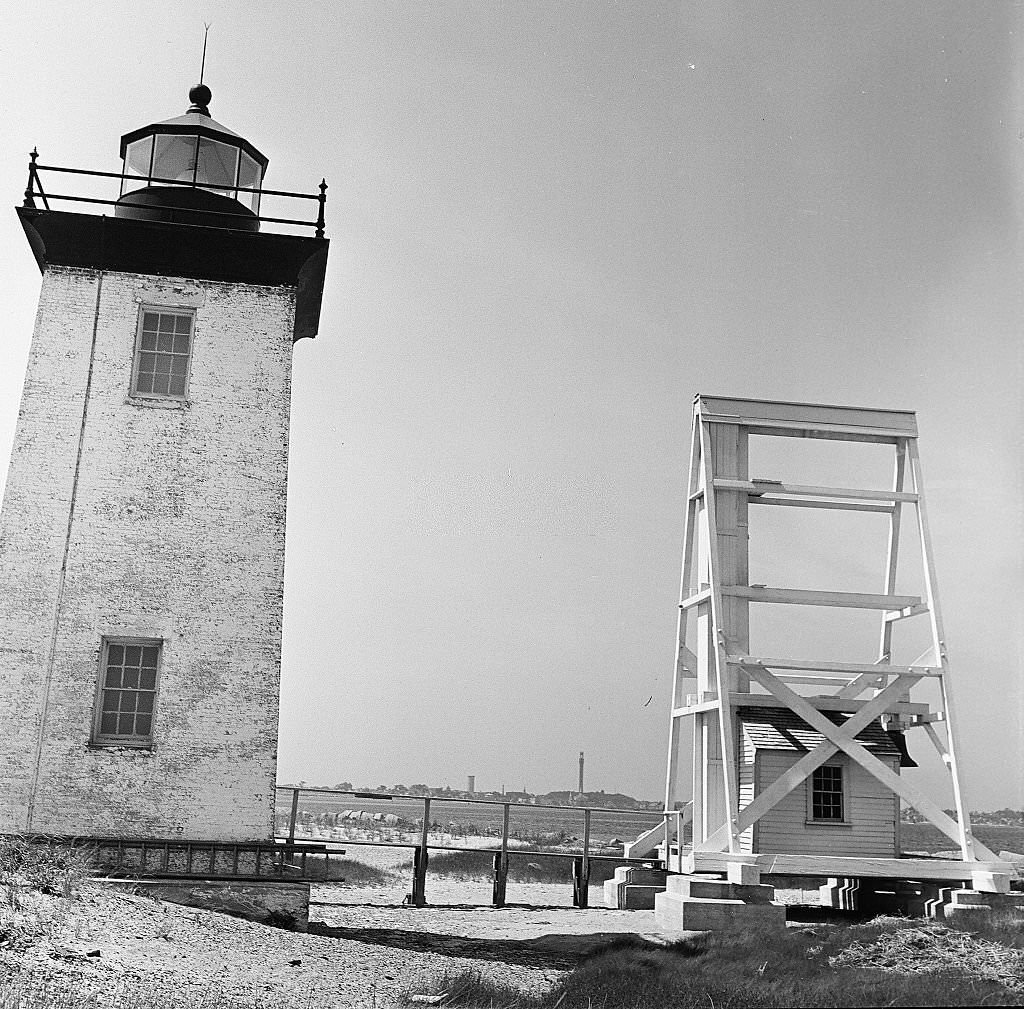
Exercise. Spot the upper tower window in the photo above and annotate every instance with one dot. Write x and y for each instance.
(163, 348)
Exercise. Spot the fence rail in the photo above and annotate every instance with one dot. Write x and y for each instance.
(34, 189)
(423, 845)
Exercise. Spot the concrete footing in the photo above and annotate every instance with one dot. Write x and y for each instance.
(634, 888)
(972, 903)
(707, 903)
(285, 905)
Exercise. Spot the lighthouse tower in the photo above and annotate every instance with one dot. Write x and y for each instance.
(142, 531)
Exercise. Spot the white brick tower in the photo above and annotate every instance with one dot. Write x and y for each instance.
(143, 526)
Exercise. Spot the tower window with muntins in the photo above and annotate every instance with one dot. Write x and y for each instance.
(127, 692)
(163, 348)
(827, 794)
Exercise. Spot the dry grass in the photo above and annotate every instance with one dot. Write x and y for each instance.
(891, 961)
(929, 948)
(529, 867)
(348, 870)
(29, 869)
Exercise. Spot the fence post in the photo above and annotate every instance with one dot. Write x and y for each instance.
(419, 862)
(501, 862)
(585, 863)
(322, 198)
(294, 816)
(30, 188)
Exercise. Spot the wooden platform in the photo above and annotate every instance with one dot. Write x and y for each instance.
(842, 866)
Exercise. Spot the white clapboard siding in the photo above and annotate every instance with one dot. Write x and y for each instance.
(870, 829)
(746, 793)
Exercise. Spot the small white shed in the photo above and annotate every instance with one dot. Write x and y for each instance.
(839, 810)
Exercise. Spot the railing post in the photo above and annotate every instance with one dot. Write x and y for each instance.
(581, 868)
(294, 816)
(419, 863)
(501, 862)
(320, 219)
(30, 186)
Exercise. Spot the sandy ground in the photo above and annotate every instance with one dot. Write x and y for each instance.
(364, 947)
(119, 949)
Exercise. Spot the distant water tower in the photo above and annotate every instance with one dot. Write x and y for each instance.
(471, 783)
(580, 789)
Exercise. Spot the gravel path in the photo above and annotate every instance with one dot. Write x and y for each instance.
(113, 948)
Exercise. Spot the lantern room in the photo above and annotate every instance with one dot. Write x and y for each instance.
(191, 170)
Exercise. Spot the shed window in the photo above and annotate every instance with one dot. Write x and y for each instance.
(163, 349)
(127, 693)
(827, 794)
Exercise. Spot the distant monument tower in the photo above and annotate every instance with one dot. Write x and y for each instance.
(471, 783)
(580, 789)
(143, 528)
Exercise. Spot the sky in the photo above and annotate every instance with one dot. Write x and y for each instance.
(553, 224)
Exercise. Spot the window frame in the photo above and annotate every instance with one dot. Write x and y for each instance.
(107, 739)
(144, 310)
(844, 794)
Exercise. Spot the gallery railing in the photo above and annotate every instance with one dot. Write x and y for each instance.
(34, 190)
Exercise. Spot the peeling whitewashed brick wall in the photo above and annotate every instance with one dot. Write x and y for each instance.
(177, 533)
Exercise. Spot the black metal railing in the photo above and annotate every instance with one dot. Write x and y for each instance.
(34, 189)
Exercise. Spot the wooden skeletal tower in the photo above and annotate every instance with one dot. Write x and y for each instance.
(850, 716)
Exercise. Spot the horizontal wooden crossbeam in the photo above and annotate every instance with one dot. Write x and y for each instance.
(757, 487)
(849, 506)
(841, 737)
(806, 419)
(813, 597)
(843, 865)
(704, 596)
(916, 709)
(827, 666)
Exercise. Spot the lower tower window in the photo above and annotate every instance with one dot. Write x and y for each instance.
(127, 692)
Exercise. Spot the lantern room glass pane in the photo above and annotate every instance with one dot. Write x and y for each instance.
(175, 158)
(248, 178)
(217, 165)
(136, 159)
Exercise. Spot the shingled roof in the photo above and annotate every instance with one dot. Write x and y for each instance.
(782, 729)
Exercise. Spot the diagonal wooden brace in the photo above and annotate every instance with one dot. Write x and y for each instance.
(842, 738)
(804, 767)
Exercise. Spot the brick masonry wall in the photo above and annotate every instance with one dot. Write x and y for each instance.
(177, 533)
